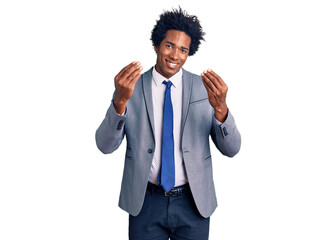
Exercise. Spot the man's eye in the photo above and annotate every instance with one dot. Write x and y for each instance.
(168, 46)
(183, 51)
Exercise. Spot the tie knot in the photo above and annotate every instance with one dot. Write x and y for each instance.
(168, 84)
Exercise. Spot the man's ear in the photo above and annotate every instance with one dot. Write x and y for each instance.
(156, 48)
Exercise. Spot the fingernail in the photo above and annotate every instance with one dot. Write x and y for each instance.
(209, 70)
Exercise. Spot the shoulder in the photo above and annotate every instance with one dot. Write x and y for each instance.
(194, 78)
(198, 90)
(188, 74)
(145, 78)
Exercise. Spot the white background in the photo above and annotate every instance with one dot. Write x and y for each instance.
(57, 64)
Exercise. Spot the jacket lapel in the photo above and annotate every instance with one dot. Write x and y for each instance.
(147, 91)
(186, 91)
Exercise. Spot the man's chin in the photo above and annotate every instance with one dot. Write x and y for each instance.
(172, 72)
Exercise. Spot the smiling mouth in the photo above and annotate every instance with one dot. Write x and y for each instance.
(171, 64)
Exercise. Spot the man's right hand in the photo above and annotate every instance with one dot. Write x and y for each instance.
(124, 84)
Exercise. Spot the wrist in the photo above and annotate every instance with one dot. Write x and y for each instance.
(119, 101)
(119, 105)
(221, 114)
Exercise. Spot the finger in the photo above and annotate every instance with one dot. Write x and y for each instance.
(208, 83)
(219, 79)
(214, 78)
(124, 69)
(211, 94)
(130, 70)
(134, 77)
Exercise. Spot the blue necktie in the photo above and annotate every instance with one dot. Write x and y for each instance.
(167, 171)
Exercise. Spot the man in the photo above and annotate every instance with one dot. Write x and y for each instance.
(167, 115)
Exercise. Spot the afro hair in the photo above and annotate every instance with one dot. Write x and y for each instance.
(177, 19)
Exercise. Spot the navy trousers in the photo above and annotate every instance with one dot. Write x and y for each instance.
(173, 217)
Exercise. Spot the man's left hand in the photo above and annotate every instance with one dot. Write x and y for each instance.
(217, 90)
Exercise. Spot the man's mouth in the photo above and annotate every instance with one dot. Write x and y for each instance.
(171, 64)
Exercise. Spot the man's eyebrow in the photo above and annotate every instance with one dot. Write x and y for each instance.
(175, 44)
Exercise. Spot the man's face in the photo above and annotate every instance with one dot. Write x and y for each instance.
(172, 53)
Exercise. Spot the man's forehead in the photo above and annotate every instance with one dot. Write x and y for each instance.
(176, 36)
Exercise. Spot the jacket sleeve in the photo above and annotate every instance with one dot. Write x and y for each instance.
(226, 136)
(111, 131)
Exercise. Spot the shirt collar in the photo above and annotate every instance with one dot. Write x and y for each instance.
(176, 79)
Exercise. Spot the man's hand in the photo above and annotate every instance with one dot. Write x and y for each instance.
(124, 84)
(217, 91)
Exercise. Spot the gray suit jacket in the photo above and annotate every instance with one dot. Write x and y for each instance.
(198, 123)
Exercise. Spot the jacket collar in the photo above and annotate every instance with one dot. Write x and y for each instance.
(186, 92)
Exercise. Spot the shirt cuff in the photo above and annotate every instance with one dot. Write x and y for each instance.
(123, 114)
(218, 122)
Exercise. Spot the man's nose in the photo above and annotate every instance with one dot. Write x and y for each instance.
(174, 54)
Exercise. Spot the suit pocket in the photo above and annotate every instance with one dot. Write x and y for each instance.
(207, 163)
(198, 101)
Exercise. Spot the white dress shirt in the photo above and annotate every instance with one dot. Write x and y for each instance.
(158, 92)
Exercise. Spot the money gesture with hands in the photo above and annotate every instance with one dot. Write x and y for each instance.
(124, 83)
(217, 90)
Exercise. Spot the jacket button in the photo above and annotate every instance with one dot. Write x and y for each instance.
(150, 150)
(225, 131)
(120, 124)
